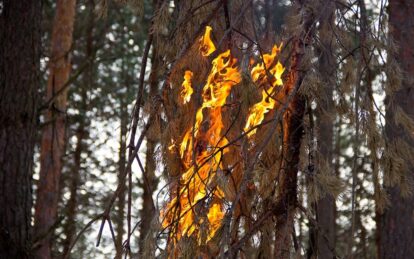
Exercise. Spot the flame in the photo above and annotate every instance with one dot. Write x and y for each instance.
(196, 188)
(171, 147)
(214, 216)
(206, 44)
(265, 73)
(187, 90)
(198, 199)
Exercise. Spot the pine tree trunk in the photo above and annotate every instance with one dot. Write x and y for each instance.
(397, 235)
(19, 83)
(148, 210)
(53, 133)
(292, 137)
(325, 208)
(70, 226)
(121, 168)
(293, 131)
(81, 135)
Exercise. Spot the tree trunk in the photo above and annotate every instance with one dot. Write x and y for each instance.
(325, 208)
(292, 137)
(70, 226)
(121, 168)
(53, 133)
(81, 135)
(19, 83)
(150, 184)
(397, 235)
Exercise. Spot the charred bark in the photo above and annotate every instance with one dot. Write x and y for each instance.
(397, 234)
(53, 133)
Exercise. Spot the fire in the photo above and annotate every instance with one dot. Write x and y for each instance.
(198, 200)
(196, 192)
(187, 90)
(206, 44)
(266, 73)
(171, 147)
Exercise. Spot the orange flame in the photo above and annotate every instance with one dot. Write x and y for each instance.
(260, 75)
(196, 189)
(187, 90)
(206, 44)
(198, 200)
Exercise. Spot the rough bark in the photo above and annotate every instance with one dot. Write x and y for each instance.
(53, 133)
(293, 131)
(325, 207)
(292, 137)
(397, 235)
(19, 83)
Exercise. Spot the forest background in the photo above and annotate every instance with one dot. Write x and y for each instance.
(94, 117)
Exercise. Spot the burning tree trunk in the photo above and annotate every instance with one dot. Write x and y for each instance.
(292, 137)
(19, 82)
(53, 135)
(397, 233)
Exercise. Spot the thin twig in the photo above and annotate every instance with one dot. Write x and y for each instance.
(72, 244)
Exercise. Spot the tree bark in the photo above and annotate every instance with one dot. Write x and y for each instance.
(70, 226)
(81, 135)
(121, 168)
(325, 207)
(53, 133)
(19, 83)
(292, 137)
(150, 183)
(397, 235)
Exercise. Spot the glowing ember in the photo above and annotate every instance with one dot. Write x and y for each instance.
(260, 74)
(187, 90)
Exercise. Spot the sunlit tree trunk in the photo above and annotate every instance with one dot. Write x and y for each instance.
(53, 133)
(19, 84)
(397, 235)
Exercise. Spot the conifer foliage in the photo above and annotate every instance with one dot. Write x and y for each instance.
(206, 128)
